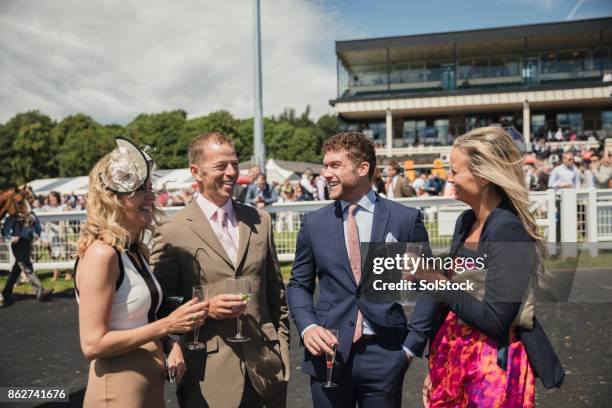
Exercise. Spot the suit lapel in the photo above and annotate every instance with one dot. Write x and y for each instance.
(245, 228)
(380, 221)
(337, 231)
(201, 227)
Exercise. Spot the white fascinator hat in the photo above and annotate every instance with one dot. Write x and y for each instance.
(128, 170)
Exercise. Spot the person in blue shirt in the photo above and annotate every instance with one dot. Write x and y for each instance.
(261, 194)
(22, 228)
(434, 185)
(566, 175)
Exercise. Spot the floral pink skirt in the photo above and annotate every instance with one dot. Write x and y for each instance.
(463, 370)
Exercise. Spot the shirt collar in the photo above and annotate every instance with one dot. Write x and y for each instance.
(209, 208)
(365, 203)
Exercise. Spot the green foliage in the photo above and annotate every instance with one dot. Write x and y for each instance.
(82, 142)
(33, 146)
(161, 131)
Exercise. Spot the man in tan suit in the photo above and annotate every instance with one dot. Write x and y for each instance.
(397, 186)
(210, 240)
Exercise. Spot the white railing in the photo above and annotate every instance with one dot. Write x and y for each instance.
(585, 217)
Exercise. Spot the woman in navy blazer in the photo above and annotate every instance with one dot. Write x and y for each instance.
(477, 357)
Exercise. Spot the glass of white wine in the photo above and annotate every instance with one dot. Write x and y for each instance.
(239, 286)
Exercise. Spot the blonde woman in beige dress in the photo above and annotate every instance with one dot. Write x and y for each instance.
(117, 293)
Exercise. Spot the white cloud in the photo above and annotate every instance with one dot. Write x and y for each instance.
(115, 59)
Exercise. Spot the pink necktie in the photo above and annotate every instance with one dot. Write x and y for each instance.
(224, 235)
(354, 254)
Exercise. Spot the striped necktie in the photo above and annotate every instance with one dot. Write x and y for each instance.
(224, 235)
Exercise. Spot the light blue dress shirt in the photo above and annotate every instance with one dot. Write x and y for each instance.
(564, 175)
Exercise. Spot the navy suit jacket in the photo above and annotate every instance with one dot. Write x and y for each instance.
(508, 276)
(321, 255)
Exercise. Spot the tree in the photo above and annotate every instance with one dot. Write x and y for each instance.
(162, 133)
(6, 153)
(34, 149)
(34, 146)
(240, 131)
(82, 143)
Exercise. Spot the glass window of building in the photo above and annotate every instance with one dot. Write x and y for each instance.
(606, 55)
(512, 65)
(606, 125)
(606, 120)
(463, 69)
(442, 128)
(530, 70)
(580, 61)
(471, 122)
(480, 68)
(497, 67)
(343, 79)
(549, 63)
(369, 75)
(448, 76)
(570, 121)
(377, 131)
(433, 71)
(417, 72)
(572, 62)
(399, 73)
(538, 125)
(414, 132)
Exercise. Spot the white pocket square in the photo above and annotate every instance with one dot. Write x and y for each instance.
(390, 238)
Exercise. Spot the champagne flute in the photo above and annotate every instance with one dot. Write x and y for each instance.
(413, 251)
(198, 292)
(330, 358)
(239, 286)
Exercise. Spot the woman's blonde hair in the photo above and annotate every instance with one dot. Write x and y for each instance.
(493, 156)
(105, 214)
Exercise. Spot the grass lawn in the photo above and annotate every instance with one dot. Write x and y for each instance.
(584, 261)
(60, 285)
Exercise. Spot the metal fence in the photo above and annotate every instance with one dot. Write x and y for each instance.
(583, 216)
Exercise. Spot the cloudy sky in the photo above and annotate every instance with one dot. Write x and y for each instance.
(114, 59)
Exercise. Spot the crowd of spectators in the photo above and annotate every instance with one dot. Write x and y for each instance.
(54, 201)
(570, 167)
(545, 167)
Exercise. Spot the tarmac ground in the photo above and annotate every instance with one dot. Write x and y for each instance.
(40, 347)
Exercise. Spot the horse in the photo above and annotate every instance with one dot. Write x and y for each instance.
(14, 200)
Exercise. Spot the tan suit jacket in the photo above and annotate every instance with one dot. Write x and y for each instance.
(402, 188)
(186, 251)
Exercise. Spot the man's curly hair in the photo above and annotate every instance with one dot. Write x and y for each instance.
(359, 148)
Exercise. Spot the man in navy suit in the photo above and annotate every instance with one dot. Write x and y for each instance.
(376, 343)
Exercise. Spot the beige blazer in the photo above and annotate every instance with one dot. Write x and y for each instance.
(186, 251)
(402, 188)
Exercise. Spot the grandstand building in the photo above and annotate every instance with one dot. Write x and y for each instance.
(414, 94)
